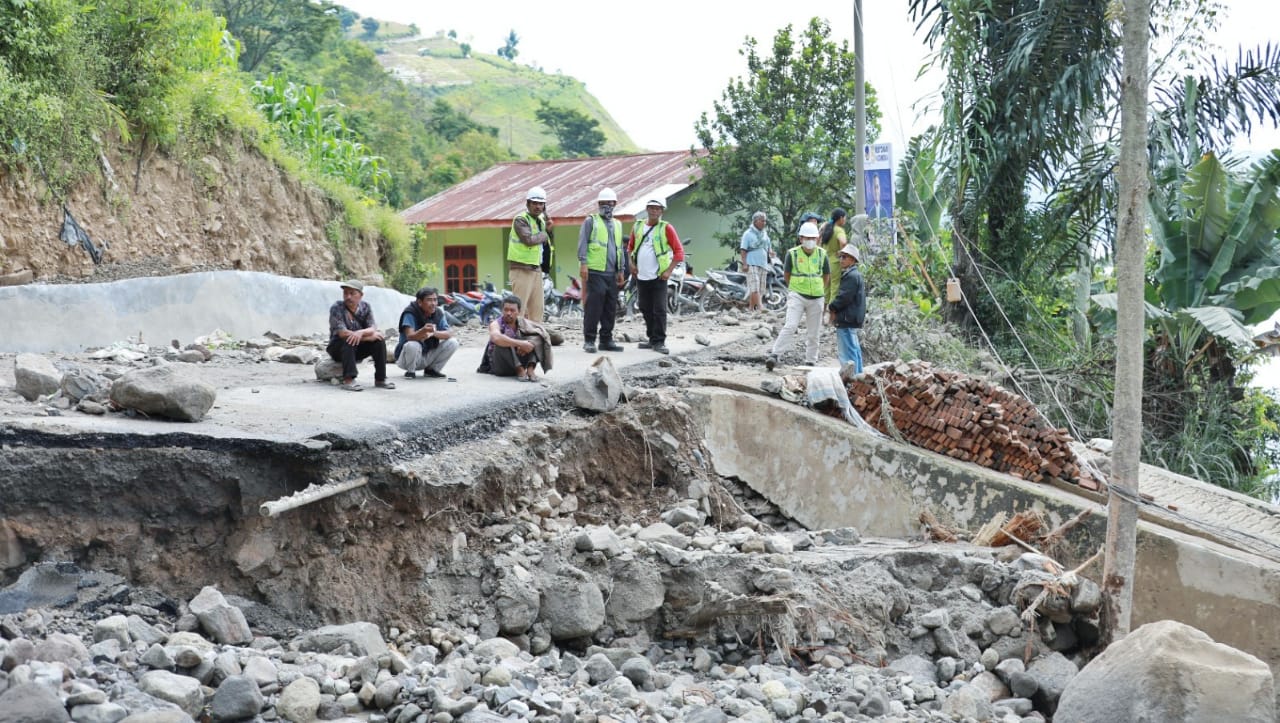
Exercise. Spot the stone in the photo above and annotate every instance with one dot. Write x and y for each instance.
(598, 539)
(773, 580)
(386, 693)
(222, 621)
(702, 339)
(142, 631)
(1004, 621)
(935, 618)
(600, 669)
(237, 698)
(572, 608)
(989, 659)
(164, 391)
(1170, 671)
(970, 701)
(1086, 598)
(61, 648)
(495, 649)
(180, 690)
(80, 383)
(638, 670)
(677, 516)
(991, 685)
(498, 675)
(260, 669)
(17, 278)
(158, 657)
(1052, 672)
(362, 638)
(1022, 684)
(299, 701)
(664, 533)
(600, 387)
(31, 703)
(920, 668)
(98, 713)
(115, 627)
(300, 355)
(643, 592)
(190, 356)
(327, 369)
(35, 376)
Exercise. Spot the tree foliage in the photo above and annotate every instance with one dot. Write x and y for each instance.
(577, 133)
(508, 49)
(266, 28)
(781, 138)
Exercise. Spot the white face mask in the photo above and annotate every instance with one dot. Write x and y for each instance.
(809, 244)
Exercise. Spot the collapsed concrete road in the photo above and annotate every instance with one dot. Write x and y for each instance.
(772, 539)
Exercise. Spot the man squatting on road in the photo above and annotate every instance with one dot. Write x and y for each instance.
(426, 343)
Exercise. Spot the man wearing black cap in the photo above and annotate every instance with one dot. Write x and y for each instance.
(354, 335)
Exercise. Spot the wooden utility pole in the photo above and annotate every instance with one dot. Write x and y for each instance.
(859, 111)
(1126, 413)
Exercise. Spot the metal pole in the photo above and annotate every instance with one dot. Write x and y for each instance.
(312, 493)
(860, 113)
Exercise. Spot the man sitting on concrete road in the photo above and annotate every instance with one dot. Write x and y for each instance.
(516, 345)
(354, 335)
(426, 343)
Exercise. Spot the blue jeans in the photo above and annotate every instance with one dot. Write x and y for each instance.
(848, 348)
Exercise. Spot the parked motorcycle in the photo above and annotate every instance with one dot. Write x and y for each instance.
(571, 298)
(461, 307)
(682, 289)
(488, 301)
(552, 300)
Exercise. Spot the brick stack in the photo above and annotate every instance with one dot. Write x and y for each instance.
(968, 419)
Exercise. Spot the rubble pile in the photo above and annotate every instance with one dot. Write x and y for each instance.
(676, 620)
(968, 419)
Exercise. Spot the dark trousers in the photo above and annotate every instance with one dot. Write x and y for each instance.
(341, 351)
(652, 300)
(506, 362)
(602, 306)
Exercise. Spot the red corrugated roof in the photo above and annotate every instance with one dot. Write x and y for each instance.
(494, 196)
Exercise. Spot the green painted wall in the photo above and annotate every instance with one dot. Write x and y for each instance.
(701, 226)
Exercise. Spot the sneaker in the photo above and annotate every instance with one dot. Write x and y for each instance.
(644, 345)
(771, 361)
(610, 346)
(662, 349)
(409, 375)
(589, 347)
(433, 374)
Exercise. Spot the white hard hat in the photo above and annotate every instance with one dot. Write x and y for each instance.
(809, 229)
(536, 194)
(607, 195)
(656, 201)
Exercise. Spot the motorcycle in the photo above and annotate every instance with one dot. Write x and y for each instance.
(720, 292)
(571, 298)
(682, 289)
(774, 295)
(460, 307)
(552, 300)
(488, 301)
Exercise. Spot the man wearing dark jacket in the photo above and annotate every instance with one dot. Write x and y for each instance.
(426, 342)
(849, 308)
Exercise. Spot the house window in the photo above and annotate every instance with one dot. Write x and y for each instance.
(459, 268)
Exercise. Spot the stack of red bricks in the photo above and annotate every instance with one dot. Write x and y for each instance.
(968, 419)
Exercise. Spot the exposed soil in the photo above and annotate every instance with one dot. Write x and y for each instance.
(230, 209)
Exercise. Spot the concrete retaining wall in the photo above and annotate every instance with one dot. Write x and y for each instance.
(245, 304)
(826, 473)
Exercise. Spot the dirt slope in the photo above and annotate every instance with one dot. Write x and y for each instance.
(232, 208)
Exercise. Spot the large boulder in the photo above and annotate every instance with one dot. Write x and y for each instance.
(35, 376)
(31, 703)
(360, 638)
(238, 698)
(180, 690)
(572, 607)
(1170, 671)
(221, 620)
(164, 391)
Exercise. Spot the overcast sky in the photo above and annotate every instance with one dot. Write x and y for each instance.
(657, 65)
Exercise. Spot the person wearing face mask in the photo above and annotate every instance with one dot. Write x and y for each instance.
(807, 272)
(602, 258)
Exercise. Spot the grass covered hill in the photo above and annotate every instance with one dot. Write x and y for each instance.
(489, 90)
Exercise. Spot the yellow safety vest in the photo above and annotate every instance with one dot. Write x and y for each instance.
(806, 271)
(660, 246)
(598, 246)
(517, 251)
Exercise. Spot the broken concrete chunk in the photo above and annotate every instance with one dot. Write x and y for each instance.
(664, 533)
(35, 376)
(598, 539)
(164, 391)
(572, 607)
(600, 387)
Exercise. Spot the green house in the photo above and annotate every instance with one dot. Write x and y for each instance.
(468, 224)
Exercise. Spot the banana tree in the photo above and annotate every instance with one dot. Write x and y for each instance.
(1219, 266)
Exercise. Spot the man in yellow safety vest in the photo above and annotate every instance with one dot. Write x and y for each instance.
(529, 252)
(655, 249)
(807, 272)
(602, 259)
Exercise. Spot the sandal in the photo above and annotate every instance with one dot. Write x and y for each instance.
(384, 384)
(351, 386)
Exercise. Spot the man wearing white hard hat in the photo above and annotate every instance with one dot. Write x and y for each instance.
(654, 249)
(602, 259)
(849, 308)
(529, 252)
(807, 271)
